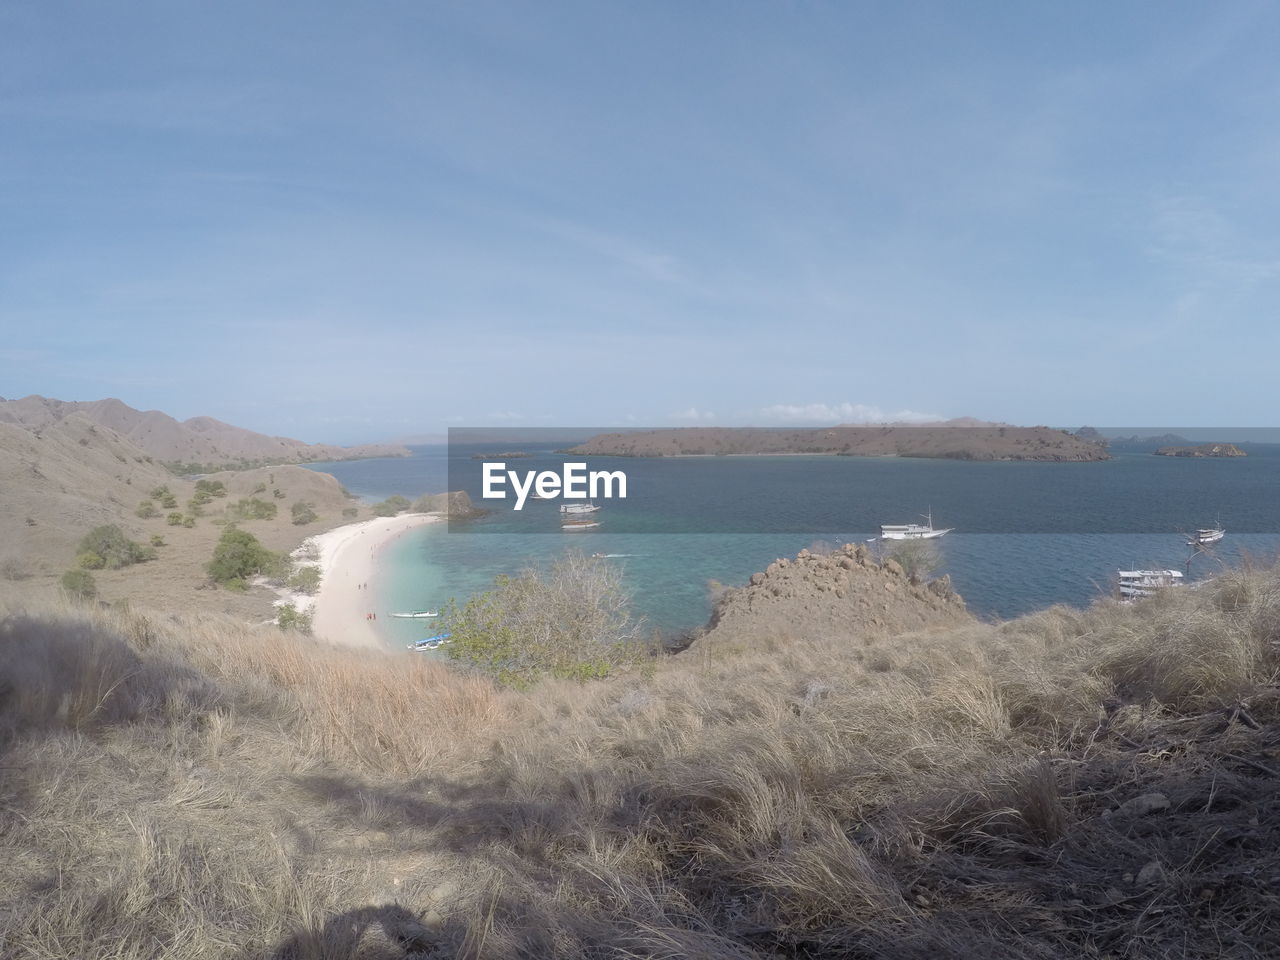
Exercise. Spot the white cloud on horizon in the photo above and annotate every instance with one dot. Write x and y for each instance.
(694, 414)
(843, 413)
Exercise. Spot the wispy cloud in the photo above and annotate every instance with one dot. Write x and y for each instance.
(693, 414)
(843, 413)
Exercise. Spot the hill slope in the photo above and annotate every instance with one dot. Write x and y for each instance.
(201, 440)
(960, 443)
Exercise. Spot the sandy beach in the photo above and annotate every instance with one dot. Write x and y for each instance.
(348, 560)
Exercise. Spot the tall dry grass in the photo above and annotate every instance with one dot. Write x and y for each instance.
(185, 786)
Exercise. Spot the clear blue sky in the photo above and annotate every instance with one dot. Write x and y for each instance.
(351, 221)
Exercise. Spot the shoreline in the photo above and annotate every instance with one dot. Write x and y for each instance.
(349, 567)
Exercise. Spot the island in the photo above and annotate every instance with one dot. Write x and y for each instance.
(509, 455)
(992, 442)
(1203, 450)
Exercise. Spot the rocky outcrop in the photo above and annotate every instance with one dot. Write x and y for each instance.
(1203, 450)
(845, 593)
(456, 505)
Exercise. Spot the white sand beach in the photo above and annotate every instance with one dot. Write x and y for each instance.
(348, 560)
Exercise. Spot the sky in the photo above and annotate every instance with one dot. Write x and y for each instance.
(346, 222)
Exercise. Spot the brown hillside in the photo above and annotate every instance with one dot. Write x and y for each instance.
(958, 443)
(198, 440)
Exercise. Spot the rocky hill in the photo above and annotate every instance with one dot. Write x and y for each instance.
(199, 440)
(844, 594)
(1203, 450)
(958, 443)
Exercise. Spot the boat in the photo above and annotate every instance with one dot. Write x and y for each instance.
(431, 643)
(1206, 536)
(575, 508)
(1133, 584)
(912, 531)
(586, 523)
(417, 615)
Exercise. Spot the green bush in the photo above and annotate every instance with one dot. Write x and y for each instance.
(238, 556)
(211, 488)
(391, 506)
(305, 579)
(159, 493)
(79, 584)
(572, 622)
(252, 508)
(195, 507)
(90, 561)
(188, 521)
(157, 540)
(115, 549)
(146, 510)
(290, 618)
(303, 512)
(174, 519)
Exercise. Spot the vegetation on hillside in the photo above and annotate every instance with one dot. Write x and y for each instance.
(1075, 783)
(239, 556)
(572, 621)
(391, 506)
(107, 547)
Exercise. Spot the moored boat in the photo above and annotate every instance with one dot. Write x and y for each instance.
(569, 509)
(1134, 584)
(1206, 536)
(431, 643)
(417, 615)
(912, 531)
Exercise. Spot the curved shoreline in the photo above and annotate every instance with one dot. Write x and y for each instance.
(349, 570)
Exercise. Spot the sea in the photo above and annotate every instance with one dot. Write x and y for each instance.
(1026, 535)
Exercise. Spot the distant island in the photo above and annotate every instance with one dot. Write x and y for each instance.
(1203, 450)
(508, 455)
(990, 442)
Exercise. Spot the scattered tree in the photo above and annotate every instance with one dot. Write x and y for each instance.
(79, 585)
(115, 550)
(303, 512)
(305, 579)
(391, 506)
(291, 618)
(238, 556)
(146, 510)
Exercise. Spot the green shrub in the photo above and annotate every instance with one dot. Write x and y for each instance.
(79, 584)
(146, 510)
(174, 519)
(195, 507)
(159, 493)
(303, 512)
(305, 580)
(157, 540)
(188, 521)
(251, 508)
(391, 506)
(918, 558)
(290, 618)
(572, 622)
(169, 502)
(238, 556)
(211, 488)
(115, 549)
(90, 561)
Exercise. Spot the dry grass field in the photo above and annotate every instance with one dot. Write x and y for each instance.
(1097, 783)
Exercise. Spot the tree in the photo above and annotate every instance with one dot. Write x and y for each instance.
(238, 556)
(174, 519)
(391, 506)
(305, 579)
(291, 618)
(303, 512)
(918, 558)
(115, 550)
(146, 510)
(79, 584)
(572, 621)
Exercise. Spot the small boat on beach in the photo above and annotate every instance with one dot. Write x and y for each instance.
(431, 643)
(912, 531)
(417, 615)
(1135, 584)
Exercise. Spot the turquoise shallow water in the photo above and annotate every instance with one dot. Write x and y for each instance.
(1048, 539)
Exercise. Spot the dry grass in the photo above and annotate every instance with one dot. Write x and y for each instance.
(184, 786)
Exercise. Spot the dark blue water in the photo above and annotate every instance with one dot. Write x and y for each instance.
(1026, 534)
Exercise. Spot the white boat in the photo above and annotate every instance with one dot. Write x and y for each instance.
(1132, 584)
(585, 523)
(569, 509)
(417, 615)
(912, 531)
(431, 643)
(1206, 536)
